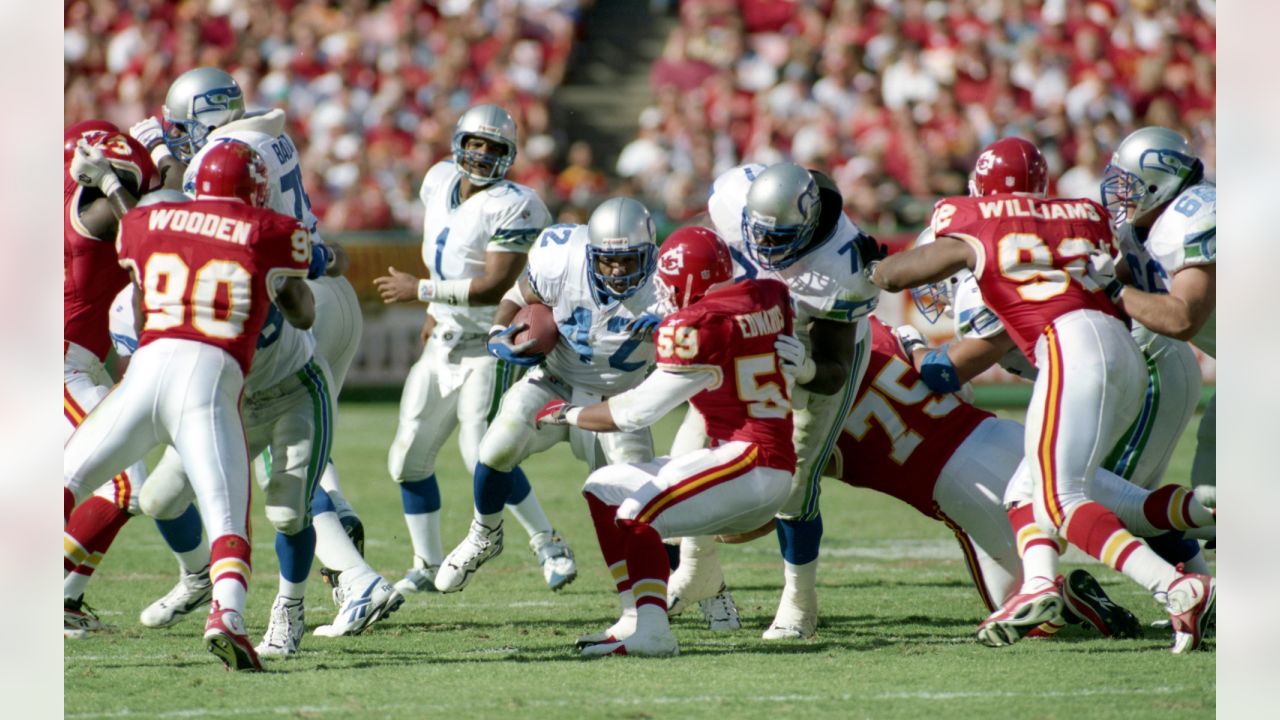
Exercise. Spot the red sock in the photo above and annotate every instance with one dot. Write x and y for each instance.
(91, 528)
(229, 559)
(1097, 531)
(646, 564)
(68, 504)
(1026, 532)
(612, 543)
(1169, 507)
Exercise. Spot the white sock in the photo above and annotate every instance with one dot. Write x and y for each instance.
(73, 585)
(651, 618)
(292, 590)
(195, 559)
(334, 549)
(491, 521)
(529, 512)
(229, 594)
(329, 481)
(1039, 564)
(801, 585)
(424, 533)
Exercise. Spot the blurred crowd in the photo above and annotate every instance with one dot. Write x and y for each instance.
(892, 98)
(895, 99)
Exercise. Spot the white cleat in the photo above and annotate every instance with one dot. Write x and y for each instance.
(480, 544)
(720, 612)
(620, 630)
(693, 582)
(1021, 614)
(556, 559)
(79, 620)
(366, 600)
(797, 616)
(284, 631)
(642, 643)
(1192, 606)
(420, 578)
(192, 592)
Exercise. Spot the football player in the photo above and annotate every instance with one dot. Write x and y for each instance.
(1087, 392)
(475, 239)
(595, 278)
(206, 274)
(108, 176)
(716, 350)
(1166, 218)
(787, 223)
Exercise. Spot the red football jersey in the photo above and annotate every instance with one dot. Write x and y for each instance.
(732, 330)
(899, 433)
(1032, 257)
(91, 276)
(208, 269)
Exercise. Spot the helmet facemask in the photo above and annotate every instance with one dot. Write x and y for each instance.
(187, 128)
(773, 246)
(637, 262)
(482, 168)
(934, 300)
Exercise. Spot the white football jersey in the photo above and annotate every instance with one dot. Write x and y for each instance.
(596, 352)
(974, 319)
(288, 196)
(504, 217)
(826, 283)
(1186, 234)
(282, 348)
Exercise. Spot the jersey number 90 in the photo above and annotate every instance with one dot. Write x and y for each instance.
(167, 280)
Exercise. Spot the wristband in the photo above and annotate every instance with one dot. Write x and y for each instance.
(514, 296)
(571, 416)
(496, 329)
(426, 290)
(938, 372)
(160, 152)
(109, 183)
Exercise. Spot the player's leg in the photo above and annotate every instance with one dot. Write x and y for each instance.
(362, 595)
(427, 418)
(509, 440)
(1204, 468)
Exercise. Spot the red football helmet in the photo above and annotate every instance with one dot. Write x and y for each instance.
(232, 169)
(1009, 165)
(690, 262)
(129, 159)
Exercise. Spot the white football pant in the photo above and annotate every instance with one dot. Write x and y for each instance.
(84, 383)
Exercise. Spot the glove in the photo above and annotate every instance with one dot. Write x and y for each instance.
(322, 259)
(644, 325)
(795, 361)
(502, 345)
(555, 412)
(910, 339)
(1102, 270)
(148, 132)
(870, 249)
(89, 166)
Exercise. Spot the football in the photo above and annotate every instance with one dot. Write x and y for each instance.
(542, 328)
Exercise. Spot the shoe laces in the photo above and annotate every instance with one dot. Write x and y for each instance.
(278, 630)
(78, 605)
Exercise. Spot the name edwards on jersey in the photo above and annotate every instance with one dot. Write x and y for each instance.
(1016, 207)
(764, 322)
(208, 225)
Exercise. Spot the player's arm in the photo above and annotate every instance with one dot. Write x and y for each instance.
(923, 264)
(296, 303)
(1182, 311)
(947, 368)
(831, 348)
(647, 403)
(501, 269)
(91, 169)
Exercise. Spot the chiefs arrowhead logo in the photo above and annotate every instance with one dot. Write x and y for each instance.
(671, 261)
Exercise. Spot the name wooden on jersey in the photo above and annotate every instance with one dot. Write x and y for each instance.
(1022, 207)
(208, 225)
(764, 322)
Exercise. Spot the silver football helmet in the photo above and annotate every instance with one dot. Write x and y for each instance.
(622, 234)
(1149, 168)
(491, 123)
(199, 100)
(781, 215)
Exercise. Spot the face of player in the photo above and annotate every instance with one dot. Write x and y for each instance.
(482, 154)
(621, 266)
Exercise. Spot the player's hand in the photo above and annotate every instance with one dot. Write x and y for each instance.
(870, 249)
(89, 165)
(502, 345)
(148, 132)
(644, 325)
(553, 413)
(428, 325)
(910, 339)
(1102, 270)
(397, 286)
(796, 362)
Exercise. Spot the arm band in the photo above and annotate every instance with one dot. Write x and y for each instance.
(572, 416)
(109, 183)
(449, 292)
(515, 295)
(938, 372)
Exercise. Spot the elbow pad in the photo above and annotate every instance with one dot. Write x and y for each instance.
(938, 372)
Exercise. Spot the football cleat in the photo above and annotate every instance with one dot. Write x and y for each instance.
(192, 591)
(1085, 602)
(1020, 615)
(1191, 603)
(78, 619)
(556, 559)
(694, 582)
(284, 631)
(797, 616)
(225, 636)
(620, 630)
(643, 643)
(355, 531)
(420, 578)
(720, 612)
(366, 601)
(480, 544)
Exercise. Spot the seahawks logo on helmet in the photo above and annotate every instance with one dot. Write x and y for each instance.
(1166, 161)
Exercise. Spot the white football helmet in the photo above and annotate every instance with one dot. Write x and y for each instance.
(936, 299)
(199, 100)
(1149, 168)
(621, 229)
(491, 123)
(781, 215)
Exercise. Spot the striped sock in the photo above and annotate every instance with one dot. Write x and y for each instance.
(612, 548)
(1039, 551)
(230, 571)
(1097, 531)
(1174, 507)
(90, 530)
(646, 564)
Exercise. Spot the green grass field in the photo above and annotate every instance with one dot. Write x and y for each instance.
(895, 639)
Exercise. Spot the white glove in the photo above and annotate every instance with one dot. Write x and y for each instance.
(1102, 270)
(92, 169)
(150, 133)
(910, 339)
(795, 361)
